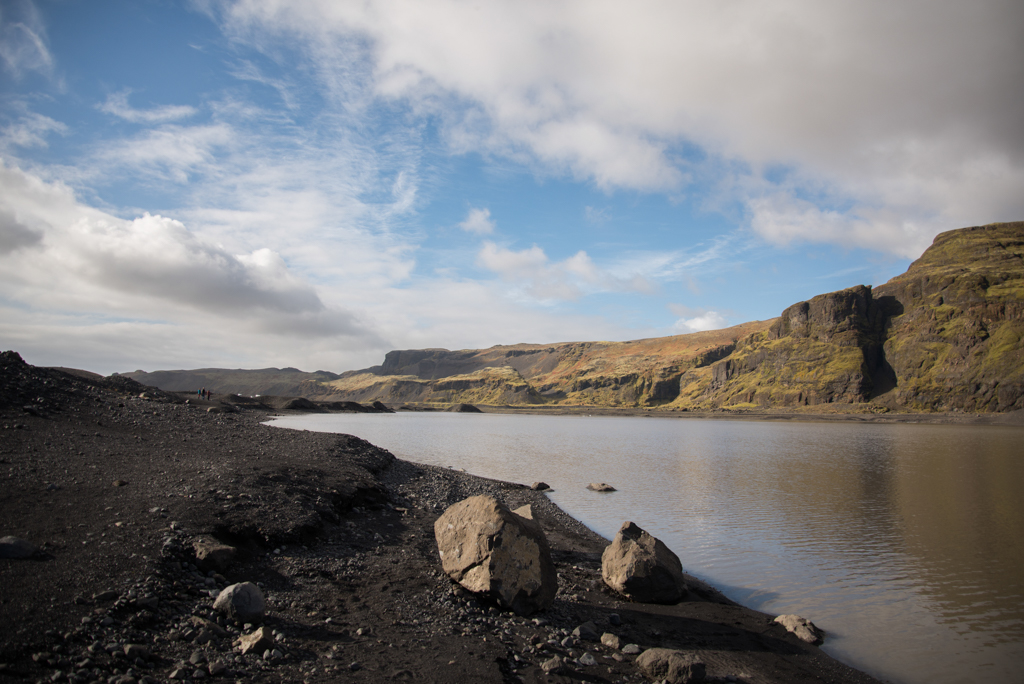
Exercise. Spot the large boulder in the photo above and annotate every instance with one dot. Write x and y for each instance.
(490, 550)
(243, 602)
(642, 568)
(668, 665)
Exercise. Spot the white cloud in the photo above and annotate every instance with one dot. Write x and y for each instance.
(696, 320)
(781, 219)
(905, 109)
(63, 256)
(479, 222)
(531, 271)
(117, 104)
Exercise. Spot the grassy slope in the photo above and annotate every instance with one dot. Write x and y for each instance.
(947, 334)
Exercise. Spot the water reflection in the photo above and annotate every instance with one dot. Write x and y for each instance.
(904, 542)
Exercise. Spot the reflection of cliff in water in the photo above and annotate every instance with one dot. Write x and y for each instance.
(960, 505)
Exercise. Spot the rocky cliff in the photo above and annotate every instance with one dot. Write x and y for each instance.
(945, 335)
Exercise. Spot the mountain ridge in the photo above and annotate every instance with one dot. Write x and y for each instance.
(945, 335)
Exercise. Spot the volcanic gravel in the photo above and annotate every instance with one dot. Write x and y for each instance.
(113, 483)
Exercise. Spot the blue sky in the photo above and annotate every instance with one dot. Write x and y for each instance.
(314, 183)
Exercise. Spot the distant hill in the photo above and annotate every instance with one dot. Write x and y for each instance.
(283, 382)
(945, 335)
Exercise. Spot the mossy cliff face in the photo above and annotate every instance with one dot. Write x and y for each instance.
(945, 335)
(958, 342)
(820, 351)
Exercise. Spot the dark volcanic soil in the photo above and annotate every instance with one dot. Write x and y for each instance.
(114, 490)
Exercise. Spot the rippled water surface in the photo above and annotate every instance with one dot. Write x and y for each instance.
(904, 542)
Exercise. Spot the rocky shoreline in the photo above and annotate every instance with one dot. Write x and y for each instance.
(116, 494)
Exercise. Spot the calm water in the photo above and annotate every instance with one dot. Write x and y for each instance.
(904, 542)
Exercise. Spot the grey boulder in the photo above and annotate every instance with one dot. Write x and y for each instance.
(491, 550)
(642, 568)
(668, 665)
(243, 602)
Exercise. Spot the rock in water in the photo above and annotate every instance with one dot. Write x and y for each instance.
(804, 629)
(600, 487)
(674, 667)
(488, 549)
(642, 568)
(243, 602)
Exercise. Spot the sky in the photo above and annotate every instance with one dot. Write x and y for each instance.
(314, 183)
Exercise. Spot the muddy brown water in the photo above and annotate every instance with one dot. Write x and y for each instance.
(904, 542)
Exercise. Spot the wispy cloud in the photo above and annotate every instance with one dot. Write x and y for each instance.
(170, 152)
(23, 45)
(117, 104)
(30, 130)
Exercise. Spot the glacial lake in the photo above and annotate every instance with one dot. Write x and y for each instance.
(904, 542)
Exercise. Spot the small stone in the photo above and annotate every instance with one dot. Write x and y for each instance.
(614, 620)
(671, 666)
(212, 555)
(587, 660)
(133, 651)
(611, 640)
(802, 628)
(587, 631)
(540, 486)
(355, 667)
(600, 487)
(199, 673)
(630, 649)
(552, 665)
(120, 483)
(16, 549)
(217, 667)
(179, 673)
(150, 603)
(197, 658)
(257, 642)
